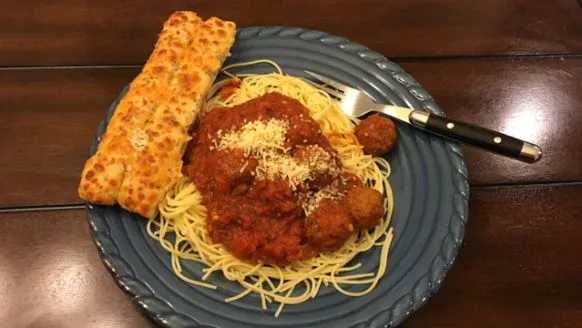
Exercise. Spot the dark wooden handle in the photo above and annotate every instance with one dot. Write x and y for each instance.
(477, 136)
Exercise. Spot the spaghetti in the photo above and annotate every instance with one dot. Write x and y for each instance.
(181, 227)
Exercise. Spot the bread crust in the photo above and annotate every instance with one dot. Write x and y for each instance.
(140, 154)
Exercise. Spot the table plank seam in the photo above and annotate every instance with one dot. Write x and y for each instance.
(517, 186)
(42, 208)
(486, 58)
(424, 59)
(68, 67)
(530, 185)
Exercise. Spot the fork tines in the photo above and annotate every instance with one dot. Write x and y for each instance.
(333, 88)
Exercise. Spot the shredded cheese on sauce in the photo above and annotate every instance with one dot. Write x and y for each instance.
(275, 165)
(256, 137)
(309, 201)
(266, 142)
(321, 161)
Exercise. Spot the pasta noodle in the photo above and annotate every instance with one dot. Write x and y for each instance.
(181, 226)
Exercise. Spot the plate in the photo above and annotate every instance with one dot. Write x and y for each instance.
(429, 180)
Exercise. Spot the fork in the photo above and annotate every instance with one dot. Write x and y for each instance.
(355, 103)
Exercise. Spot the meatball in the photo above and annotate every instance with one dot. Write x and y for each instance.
(324, 165)
(233, 169)
(280, 195)
(365, 206)
(377, 134)
(329, 226)
(350, 180)
(317, 158)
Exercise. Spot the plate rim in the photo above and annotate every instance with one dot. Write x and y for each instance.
(426, 286)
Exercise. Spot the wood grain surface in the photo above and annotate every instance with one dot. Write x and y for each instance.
(51, 276)
(511, 65)
(518, 267)
(54, 114)
(72, 32)
(534, 100)
(48, 120)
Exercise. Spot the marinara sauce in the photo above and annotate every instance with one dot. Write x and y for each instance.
(263, 220)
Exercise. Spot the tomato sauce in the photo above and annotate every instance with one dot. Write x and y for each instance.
(229, 88)
(262, 220)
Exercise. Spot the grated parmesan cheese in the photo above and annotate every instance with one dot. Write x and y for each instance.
(265, 141)
(256, 137)
(275, 165)
(319, 160)
(138, 139)
(309, 201)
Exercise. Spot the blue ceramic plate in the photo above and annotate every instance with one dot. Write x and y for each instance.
(430, 186)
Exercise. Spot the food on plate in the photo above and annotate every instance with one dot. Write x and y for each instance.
(261, 178)
(139, 156)
(365, 205)
(377, 134)
(329, 226)
(278, 192)
(257, 165)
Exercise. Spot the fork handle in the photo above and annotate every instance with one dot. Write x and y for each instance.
(477, 136)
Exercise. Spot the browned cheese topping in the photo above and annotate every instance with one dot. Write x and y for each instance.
(139, 157)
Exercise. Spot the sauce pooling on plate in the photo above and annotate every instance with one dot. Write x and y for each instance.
(274, 188)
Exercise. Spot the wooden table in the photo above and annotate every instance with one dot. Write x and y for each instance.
(512, 65)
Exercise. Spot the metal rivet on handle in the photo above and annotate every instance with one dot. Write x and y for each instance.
(450, 125)
(497, 140)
